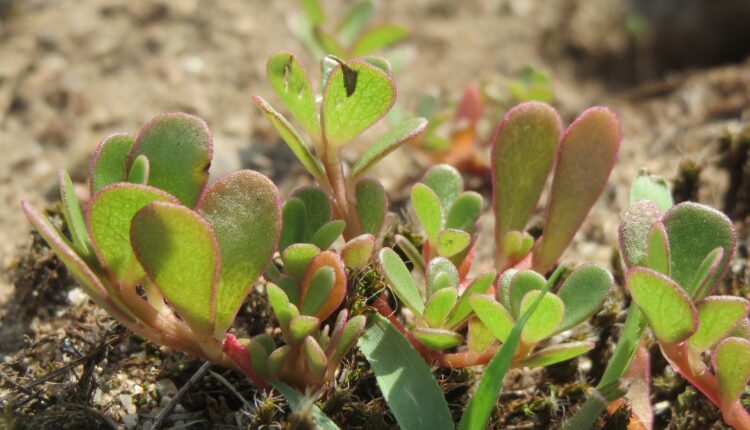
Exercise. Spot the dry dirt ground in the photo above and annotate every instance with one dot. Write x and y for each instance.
(72, 72)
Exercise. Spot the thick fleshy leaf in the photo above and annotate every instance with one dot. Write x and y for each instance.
(179, 251)
(290, 82)
(328, 233)
(652, 188)
(302, 326)
(658, 249)
(493, 315)
(439, 306)
(405, 380)
(400, 280)
(239, 351)
(694, 231)
(379, 38)
(452, 242)
(583, 293)
(446, 182)
(109, 161)
(479, 336)
(258, 356)
(315, 357)
(356, 96)
(545, 320)
(109, 216)
(480, 285)
(73, 215)
(411, 252)
(503, 286)
(139, 170)
(290, 286)
(389, 142)
(588, 151)
(523, 152)
(357, 252)
(244, 211)
(465, 212)
(317, 208)
(717, 315)
(428, 209)
(437, 338)
(520, 284)
(732, 363)
(318, 291)
(293, 223)
(294, 141)
(276, 361)
(296, 259)
(441, 268)
(349, 336)
(706, 272)
(517, 246)
(633, 232)
(280, 305)
(76, 266)
(557, 353)
(372, 205)
(667, 307)
(179, 149)
(337, 291)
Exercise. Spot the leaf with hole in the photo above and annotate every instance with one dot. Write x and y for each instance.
(292, 86)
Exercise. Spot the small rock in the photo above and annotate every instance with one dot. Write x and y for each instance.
(127, 402)
(77, 297)
(130, 421)
(166, 387)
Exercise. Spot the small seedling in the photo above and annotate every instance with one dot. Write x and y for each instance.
(166, 256)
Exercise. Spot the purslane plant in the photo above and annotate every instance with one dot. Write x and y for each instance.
(167, 257)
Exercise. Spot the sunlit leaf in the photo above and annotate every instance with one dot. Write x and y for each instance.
(557, 353)
(658, 249)
(428, 210)
(316, 359)
(446, 182)
(652, 188)
(389, 142)
(302, 326)
(372, 205)
(545, 320)
(493, 315)
(290, 82)
(462, 310)
(441, 268)
(357, 252)
(297, 257)
(379, 38)
(139, 170)
(732, 363)
(717, 315)
(400, 280)
(464, 212)
(520, 284)
(451, 242)
(337, 291)
(480, 337)
(582, 293)
(437, 338)
(634, 230)
(73, 215)
(109, 161)
(439, 306)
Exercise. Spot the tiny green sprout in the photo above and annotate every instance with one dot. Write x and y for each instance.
(168, 257)
(355, 95)
(349, 37)
(528, 145)
(676, 258)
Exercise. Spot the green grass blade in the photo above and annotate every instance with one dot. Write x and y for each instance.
(404, 378)
(479, 409)
(298, 402)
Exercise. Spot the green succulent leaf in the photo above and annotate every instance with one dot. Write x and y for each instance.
(73, 216)
(523, 153)
(290, 286)
(178, 250)
(437, 338)
(587, 154)
(297, 257)
(582, 293)
(404, 132)
(405, 380)
(428, 209)
(668, 309)
(258, 356)
(517, 246)
(357, 252)
(732, 363)
(634, 232)
(243, 210)
(694, 231)
(441, 268)
(280, 305)
(317, 209)
(446, 182)
(356, 96)
(109, 218)
(320, 287)
(372, 205)
(706, 272)
(302, 326)
(411, 252)
(652, 188)
(349, 336)
(545, 320)
(328, 233)
(315, 357)
(293, 223)
(464, 212)
(139, 170)
(658, 249)
(439, 306)
(294, 141)
(379, 38)
(400, 280)
(493, 315)
(276, 361)
(451, 242)
(557, 353)
(179, 149)
(292, 86)
(479, 337)
(520, 284)
(462, 310)
(109, 161)
(313, 293)
(717, 316)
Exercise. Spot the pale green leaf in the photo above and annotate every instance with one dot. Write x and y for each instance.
(290, 82)
(464, 212)
(582, 293)
(439, 306)
(372, 204)
(379, 38)
(557, 353)
(493, 315)
(732, 363)
(73, 216)
(109, 161)
(139, 170)
(452, 242)
(545, 320)
(437, 338)
(297, 257)
(717, 315)
(446, 182)
(652, 188)
(400, 280)
(441, 268)
(462, 310)
(404, 132)
(428, 210)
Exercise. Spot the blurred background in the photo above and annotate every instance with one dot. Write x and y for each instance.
(676, 72)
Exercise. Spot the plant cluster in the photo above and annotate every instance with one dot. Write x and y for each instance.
(173, 260)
